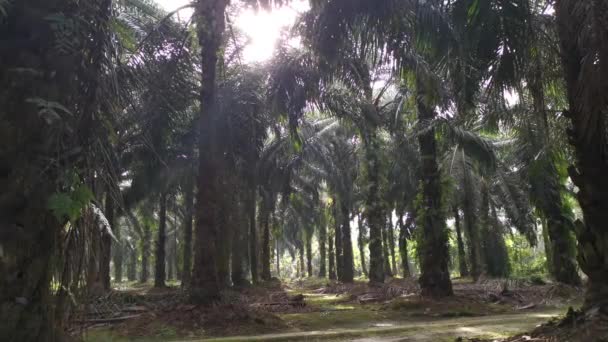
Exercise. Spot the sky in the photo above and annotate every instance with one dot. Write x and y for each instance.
(262, 27)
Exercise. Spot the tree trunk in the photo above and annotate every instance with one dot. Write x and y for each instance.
(546, 189)
(361, 243)
(470, 225)
(373, 208)
(253, 237)
(587, 112)
(187, 262)
(145, 254)
(462, 257)
(385, 252)
(224, 239)
(106, 245)
(391, 245)
(348, 272)
(309, 255)
(301, 261)
(433, 243)
(36, 155)
(403, 233)
(322, 237)
(239, 246)
(205, 287)
(338, 242)
(496, 256)
(266, 261)
(278, 256)
(132, 265)
(118, 253)
(161, 241)
(331, 257)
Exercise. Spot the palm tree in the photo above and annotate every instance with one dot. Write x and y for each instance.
(44, 122)
(582, 33)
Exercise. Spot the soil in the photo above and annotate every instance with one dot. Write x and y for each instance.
(316, 306)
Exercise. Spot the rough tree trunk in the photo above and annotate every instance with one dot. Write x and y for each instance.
(348, 271)
(385, 252)
(106, 245)
(132, 265)
(373, 208)
(239, 246)
(391, 244)
(361, 244)
(331, 258)
(205, 287)
(187, 262)
(309, 255)
(470, 227)
(145, 254)
(403, 234)
(587, 112)
(266, 261)
(338, 242)
(433, 243)
(322, 250)
(278, 256)
(462, 256)
(161, 241)
(253, 237)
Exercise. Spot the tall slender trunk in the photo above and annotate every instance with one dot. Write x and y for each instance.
(118, 253)
(403, 234)
(301, 261)
(239, 246)
(433, 243)
(253, 237)
(322, 237)
(361, 243)
(470, 225)
(348, 271)
(278, 256)
(587, 113)
(145, 254)
(225, 220)
(266, 209)
(385, 252)
(557, 223)
(496, 257)
(161, 241)
(106, 245)
(331, 266)
(187, 262)
(205, 286)
(462, 257)
(309, 255)
(132, 265)
(391, 244)
(338, 242)
(373, 208)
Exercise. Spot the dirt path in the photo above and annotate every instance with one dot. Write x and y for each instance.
(496, 326)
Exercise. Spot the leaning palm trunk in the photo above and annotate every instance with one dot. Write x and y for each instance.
(205, 287)
(583, 33)
(433, 242)
(331, 264)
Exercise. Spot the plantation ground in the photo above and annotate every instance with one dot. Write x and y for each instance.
(315, 310)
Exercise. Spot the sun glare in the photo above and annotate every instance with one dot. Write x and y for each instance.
(262, 27)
